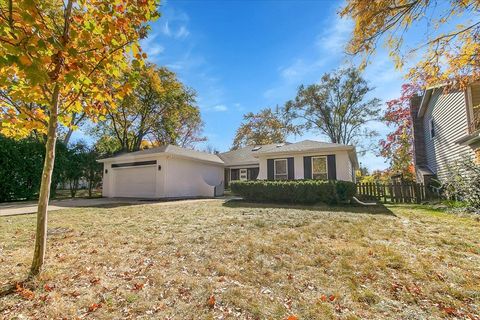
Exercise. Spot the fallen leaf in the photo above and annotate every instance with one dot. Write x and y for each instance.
(332, 298)
(48, 287)
(211, 302)
(449, 310)
(24, 292)
(292, 317)
(396, 287)
(94, 306)
(323, 298)
(138, 286)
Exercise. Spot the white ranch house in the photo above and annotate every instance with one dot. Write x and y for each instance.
(174, 172)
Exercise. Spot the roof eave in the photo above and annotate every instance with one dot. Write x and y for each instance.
(424, 102)
(166, 153)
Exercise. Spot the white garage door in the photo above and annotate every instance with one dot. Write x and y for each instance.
(137, 182)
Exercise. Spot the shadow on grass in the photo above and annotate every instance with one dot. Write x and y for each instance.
(349, 208)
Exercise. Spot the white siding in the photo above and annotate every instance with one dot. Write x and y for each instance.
(343, 164)
(188, 178)
(449, 114)
(177, 177)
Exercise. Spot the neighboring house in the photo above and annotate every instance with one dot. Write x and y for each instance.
(163, 172)
(301, 160)
(446, 130)
(174, 172)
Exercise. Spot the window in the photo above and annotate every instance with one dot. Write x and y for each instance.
(280, 169)
(319, 168)
(432, 129)
(243, 174)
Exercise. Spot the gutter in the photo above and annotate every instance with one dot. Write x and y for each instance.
(274, 153)
(155, 155)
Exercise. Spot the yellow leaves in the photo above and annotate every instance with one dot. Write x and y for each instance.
(449, 52)
(83, 65)
(25, 60)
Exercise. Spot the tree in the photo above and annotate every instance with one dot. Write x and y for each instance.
(398, 146)
(159, 109)
(92, 169)
(336, 107)
(74, 168)
(449, 51)
(266, 126)
(59, 58)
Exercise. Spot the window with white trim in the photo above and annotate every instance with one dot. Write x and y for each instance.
(432, 128)
(280, 168)
(319, 168)
(243, 174)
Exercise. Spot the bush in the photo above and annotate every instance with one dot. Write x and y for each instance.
(295, 191)
(463, 184)
(21, 164)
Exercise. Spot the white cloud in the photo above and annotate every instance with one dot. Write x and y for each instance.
(155, 50)
(151, 46)
(299, 69)
(182, 32)
(335, 38)
(220, 108)
(175, 25)
(166, 29)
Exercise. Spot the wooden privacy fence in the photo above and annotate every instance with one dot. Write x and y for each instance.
(396, 192)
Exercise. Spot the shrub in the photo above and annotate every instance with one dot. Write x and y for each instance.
(295, 191)
(21, 163)
(463, 183)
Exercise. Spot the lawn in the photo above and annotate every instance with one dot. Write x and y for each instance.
(209, 260)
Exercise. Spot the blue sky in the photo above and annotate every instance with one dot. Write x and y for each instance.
(242, 56)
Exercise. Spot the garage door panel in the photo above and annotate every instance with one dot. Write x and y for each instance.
(136, 182)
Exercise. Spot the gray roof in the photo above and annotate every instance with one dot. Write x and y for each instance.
(173, 150)
(245, 155)
(305, 146)
(249, 155)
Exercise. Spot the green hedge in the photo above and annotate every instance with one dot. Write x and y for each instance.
(21, 164)
(295, 191)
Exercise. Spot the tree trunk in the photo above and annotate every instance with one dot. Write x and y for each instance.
(66, 140)
(41, 232)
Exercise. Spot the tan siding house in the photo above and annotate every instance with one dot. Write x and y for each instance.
(444, 130)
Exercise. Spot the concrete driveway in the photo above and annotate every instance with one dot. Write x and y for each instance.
(27, 207)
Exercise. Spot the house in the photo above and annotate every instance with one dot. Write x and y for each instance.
(174, 172)
(285, 161)
(446, 130)
(163, 172)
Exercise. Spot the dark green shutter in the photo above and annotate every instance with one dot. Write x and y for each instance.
(270, 174)
(291, 169)
(332, 167)
(307, 167)
(253, 173)
(235, 174)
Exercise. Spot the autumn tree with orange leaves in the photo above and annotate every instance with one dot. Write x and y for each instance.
(448, 53)
(265, 127)
(60, 58)
(398, 145)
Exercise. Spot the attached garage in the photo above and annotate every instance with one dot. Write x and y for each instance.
(164, 172)
(135, 181)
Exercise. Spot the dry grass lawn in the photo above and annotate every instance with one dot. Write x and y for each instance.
(209, 260)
